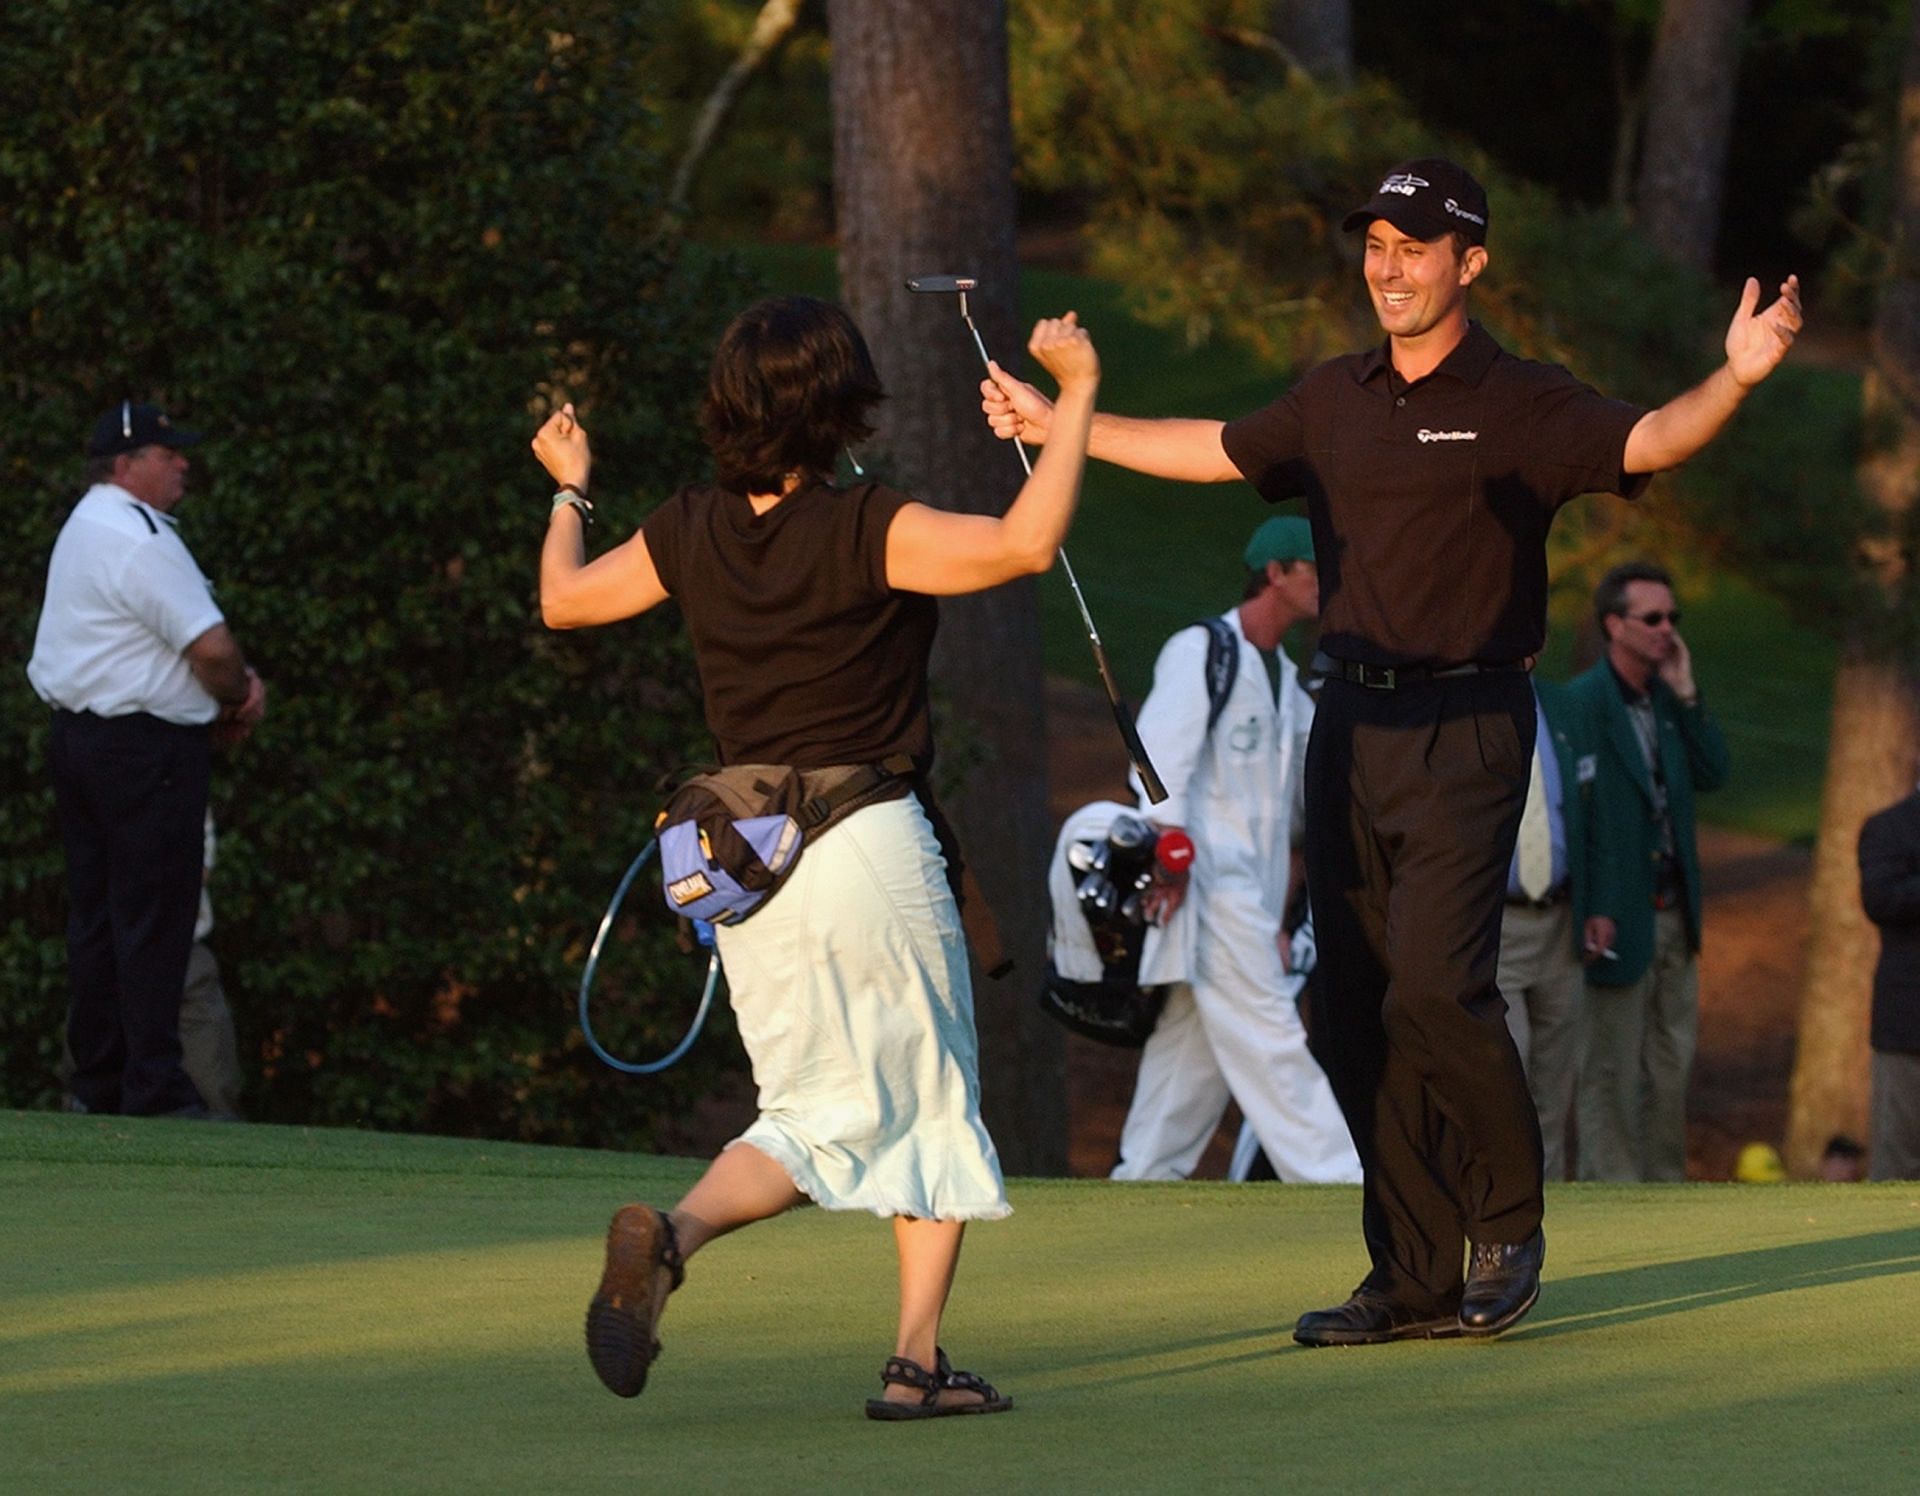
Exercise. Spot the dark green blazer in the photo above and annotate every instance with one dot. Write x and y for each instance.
(1622, 826)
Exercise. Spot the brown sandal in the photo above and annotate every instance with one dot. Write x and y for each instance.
(643, 1266)
(901, 1372)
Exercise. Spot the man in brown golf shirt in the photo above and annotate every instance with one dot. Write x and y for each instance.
(1431, 467)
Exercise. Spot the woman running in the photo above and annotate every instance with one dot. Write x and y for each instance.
(811, 609)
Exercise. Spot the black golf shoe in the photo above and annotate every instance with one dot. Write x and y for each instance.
(1371, 1318)
(1503, 1282)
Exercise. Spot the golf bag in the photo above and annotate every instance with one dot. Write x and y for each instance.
(1108, 968)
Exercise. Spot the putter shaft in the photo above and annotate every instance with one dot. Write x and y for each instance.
(959, 285)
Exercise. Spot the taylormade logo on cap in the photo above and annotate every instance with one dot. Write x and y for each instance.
(1427, 199)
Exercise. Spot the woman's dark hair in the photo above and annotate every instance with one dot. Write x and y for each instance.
(792, 383)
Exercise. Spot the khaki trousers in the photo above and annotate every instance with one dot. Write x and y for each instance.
(1638, 1055)
(1545, 989)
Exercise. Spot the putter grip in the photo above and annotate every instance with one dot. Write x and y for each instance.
(1129, 734)
(1137, 751)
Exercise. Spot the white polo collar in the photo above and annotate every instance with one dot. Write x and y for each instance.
(109, 491)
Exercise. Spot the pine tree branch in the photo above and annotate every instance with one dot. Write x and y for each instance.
(774, 24)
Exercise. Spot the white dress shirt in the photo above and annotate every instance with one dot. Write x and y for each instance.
(124, 600)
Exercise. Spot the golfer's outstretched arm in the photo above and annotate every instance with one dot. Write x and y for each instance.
(576, 593)
(1667, 437)
(1185, 450)
(942, 553)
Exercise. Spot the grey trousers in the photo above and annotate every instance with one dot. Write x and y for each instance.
(208, 1047)
(1545, 988)
(1638, 1056)
(1894, 1140)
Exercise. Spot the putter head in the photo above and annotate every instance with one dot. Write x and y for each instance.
(942, 285)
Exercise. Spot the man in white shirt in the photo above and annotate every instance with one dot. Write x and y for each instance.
(137, 662)
(1233, 784)
(1541, 975)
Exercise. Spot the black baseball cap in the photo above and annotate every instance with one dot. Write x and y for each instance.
(1428, 199)
(129, 426)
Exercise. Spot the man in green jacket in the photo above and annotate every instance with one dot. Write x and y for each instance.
(1646, 745)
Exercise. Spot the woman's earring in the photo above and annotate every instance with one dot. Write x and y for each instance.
(858, 471)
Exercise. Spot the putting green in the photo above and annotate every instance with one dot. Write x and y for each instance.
(219, 1309)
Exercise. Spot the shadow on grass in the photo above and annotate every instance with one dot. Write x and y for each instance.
(1602, 1300)
(1631, 1295)
(1150, 1360)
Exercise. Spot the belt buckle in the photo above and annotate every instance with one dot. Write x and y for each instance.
(1378, 677)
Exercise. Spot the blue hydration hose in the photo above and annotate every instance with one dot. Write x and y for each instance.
(593, 961)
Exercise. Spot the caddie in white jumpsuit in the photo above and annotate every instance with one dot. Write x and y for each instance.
(1233, 1028)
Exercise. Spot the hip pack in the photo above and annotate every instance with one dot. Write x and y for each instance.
(730, 837)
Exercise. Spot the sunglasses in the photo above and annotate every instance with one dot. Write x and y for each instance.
(1655, 619)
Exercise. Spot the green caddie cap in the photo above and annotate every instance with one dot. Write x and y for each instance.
(1285, 537)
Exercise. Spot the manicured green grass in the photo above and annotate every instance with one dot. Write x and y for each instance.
(267, 1309)
(1152, 556)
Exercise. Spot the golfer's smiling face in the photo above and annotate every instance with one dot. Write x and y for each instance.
(1417, 284)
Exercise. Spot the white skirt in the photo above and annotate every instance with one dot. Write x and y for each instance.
(856, 1009)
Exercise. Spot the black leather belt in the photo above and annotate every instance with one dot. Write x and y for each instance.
(1553, 898)
(1393, 677)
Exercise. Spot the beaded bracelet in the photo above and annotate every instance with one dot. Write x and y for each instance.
(569, 494)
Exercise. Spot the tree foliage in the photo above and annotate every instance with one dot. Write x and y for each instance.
(360, 243)
(1213, 180)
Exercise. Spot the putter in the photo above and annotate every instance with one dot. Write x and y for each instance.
(960, 285)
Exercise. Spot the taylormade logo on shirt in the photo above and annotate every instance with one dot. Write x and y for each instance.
(1447, 436)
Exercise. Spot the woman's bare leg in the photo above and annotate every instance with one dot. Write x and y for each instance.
(740, 1187)
(929, 1253)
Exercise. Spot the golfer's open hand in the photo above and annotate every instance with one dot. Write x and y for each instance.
(1756, 344)
(561, 446)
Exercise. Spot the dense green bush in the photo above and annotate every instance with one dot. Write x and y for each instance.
(359, 243)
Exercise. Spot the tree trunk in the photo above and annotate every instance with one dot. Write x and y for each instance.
(1869, 766)
(1875, 711)
(1689, 121)
(1319, 36)
(923, 183)
(1629, 102)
